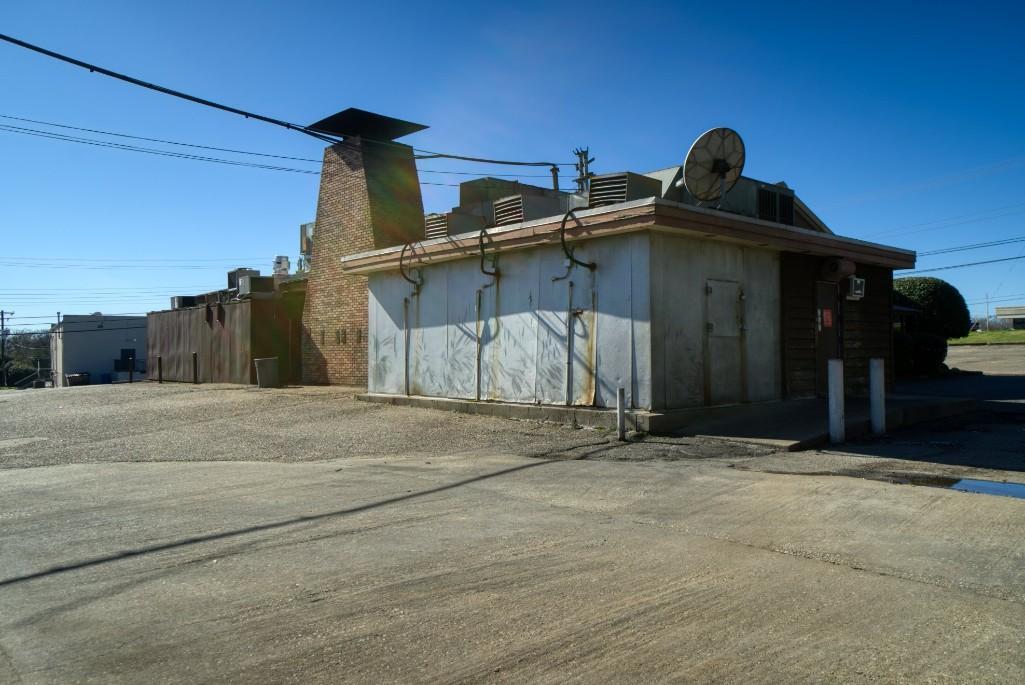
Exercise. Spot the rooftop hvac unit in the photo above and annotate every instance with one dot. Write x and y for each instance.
(182, 301)
(610, 189)
(249, 285)
(518, 208)
(306, 239)
(235, 274)
(452, 223)
(765, 201)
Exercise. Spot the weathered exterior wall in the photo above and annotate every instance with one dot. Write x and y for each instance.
(735, 290)
(218, 334)
(90, 344)
(369, 198)
(865, 327)
(799, 274)
(526, 346)
(226, 338)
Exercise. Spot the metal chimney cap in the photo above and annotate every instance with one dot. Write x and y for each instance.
(358, 122)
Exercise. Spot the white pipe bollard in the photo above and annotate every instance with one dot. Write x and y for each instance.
(621, 413)
(836, 409)
(877, 395)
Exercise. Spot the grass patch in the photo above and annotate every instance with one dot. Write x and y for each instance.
(990, 338)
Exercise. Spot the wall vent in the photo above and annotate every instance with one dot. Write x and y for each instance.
(518, 208)
(767, 204)
(610, 189)
(437, 225)
(452, 223)
(775, 206)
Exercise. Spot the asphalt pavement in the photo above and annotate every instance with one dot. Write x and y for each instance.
(214, 534)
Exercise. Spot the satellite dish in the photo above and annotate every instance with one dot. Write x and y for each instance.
(713, 164)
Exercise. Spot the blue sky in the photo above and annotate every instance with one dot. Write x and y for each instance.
(894, 124)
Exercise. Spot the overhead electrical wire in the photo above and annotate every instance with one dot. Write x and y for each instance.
(973, 246)
(177, 155)
(87, 330)
(243, 152)
(962, 266)
(248, 115)
(947, 222)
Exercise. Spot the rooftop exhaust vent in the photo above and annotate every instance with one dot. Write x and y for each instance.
(452, 223)
(358, 122)
(519, 208)
(610, 189)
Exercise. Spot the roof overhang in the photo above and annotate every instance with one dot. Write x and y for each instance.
(652, 215)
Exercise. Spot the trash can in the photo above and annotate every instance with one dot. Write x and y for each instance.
(267, 372)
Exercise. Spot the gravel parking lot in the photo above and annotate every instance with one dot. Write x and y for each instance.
(217, 534)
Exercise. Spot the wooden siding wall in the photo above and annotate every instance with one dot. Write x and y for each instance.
(868, 329)
(226, 339)
(798, 275)
(866, 325)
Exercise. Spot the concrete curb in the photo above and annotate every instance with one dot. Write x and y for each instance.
(927, 409)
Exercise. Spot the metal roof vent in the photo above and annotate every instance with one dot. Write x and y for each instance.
(610, 189)
(452, 223)
(518, 208)
(437, 225)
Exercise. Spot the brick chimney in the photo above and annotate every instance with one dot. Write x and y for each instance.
(369, 198)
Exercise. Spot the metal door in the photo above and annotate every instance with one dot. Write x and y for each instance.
(725, 362)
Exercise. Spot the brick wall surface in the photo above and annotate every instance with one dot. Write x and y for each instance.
(335, 314)
(369, 198)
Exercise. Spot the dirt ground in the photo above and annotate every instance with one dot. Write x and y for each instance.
(216, 534)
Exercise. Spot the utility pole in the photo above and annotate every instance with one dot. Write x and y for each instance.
(987, 312)
(584, 174)
(3, 344)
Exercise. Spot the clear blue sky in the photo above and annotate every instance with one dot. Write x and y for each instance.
(882, 120)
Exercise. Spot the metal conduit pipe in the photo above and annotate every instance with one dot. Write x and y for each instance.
(562, 241)
(417, 282)
(480, 245)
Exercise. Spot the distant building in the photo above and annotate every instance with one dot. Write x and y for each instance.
(97, 348)
(1016, 315)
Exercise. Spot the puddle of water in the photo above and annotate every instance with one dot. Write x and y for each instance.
(990, 487)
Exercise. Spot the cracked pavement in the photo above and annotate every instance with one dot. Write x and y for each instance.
(406, 545)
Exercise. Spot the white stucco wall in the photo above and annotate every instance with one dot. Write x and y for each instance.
(521, 323)
(640, 321)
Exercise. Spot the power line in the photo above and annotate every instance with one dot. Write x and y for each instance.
(234, 110)
(87, 330)
(931, 225)
(190, 260)
(973, 246)
(244, 152)
(961, 266)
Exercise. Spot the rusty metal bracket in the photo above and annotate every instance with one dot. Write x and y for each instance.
(566, 249)
(480, 244)
(418, 282)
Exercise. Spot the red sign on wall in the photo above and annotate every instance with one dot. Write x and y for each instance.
(827, 318)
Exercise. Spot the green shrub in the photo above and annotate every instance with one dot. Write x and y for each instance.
(929, 351)
(944, 312)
